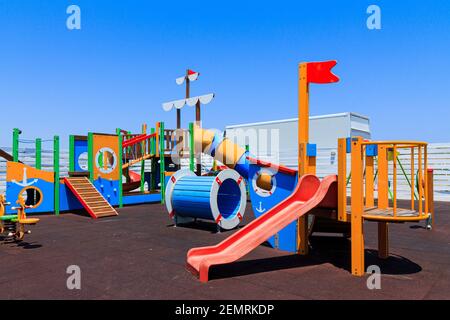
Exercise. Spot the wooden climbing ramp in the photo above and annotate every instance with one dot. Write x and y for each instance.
(94, 203)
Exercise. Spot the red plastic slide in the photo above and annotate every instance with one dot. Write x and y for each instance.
(134, 183)
(309, 193)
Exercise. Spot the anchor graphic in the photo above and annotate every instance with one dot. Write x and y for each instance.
(260, 209)
(25, 182)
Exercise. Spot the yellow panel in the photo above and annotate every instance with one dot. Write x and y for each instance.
(228, 153)
(203, 137)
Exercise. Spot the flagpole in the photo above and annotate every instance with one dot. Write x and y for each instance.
(199, 123)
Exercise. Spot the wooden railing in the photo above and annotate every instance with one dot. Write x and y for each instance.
(138, 147)
(174, 137)
(373, 161)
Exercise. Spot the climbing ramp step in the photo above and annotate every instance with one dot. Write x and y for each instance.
(94, 203)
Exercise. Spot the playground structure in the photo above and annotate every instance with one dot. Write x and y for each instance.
(99, 176)
(283, 198)
(221, 198)
(289, 205)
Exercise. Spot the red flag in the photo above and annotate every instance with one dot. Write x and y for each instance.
(320, 72)
(191, 72)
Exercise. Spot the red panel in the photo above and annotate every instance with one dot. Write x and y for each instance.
(137, 139)
(277, 167)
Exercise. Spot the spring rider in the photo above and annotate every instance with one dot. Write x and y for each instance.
(21, 220)
(4, 217)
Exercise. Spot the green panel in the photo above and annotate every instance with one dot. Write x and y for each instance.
(56, 169)
(38, 163)
(91, 156)
(153, 161)
(162, 168)
(153, 142)
(72, 153)
(119, 158)
(191, 147)
(143, 165)
(16, 133)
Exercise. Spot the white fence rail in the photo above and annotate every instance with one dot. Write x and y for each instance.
(438, 159)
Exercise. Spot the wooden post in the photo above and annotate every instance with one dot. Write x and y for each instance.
(357, 231)
(383, 184)
(413, 192)
(303, 139)
(188, 94)
(199, 123)
(342, 183)
(383, 240)
(420, 176)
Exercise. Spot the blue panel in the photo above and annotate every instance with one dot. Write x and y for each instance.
(372, 150)
(215, 143)
(243, 166)
(348, 145)
(311, 150)
(109, 189)
(67, 201)
(141, 198)
(287, 238)
(191, 197)
(285, 185)
(80, 147)
(46, 190)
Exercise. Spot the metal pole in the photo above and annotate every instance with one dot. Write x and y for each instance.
(199, 123)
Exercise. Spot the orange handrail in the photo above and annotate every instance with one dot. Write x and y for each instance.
(392, 212)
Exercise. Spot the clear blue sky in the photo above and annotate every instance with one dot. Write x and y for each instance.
(118, 69)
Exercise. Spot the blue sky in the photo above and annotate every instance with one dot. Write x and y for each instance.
(118, 69)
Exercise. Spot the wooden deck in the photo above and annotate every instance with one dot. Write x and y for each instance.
(374, 213)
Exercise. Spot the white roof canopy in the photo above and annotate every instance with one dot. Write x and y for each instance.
(191, 77)
(178, 104)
